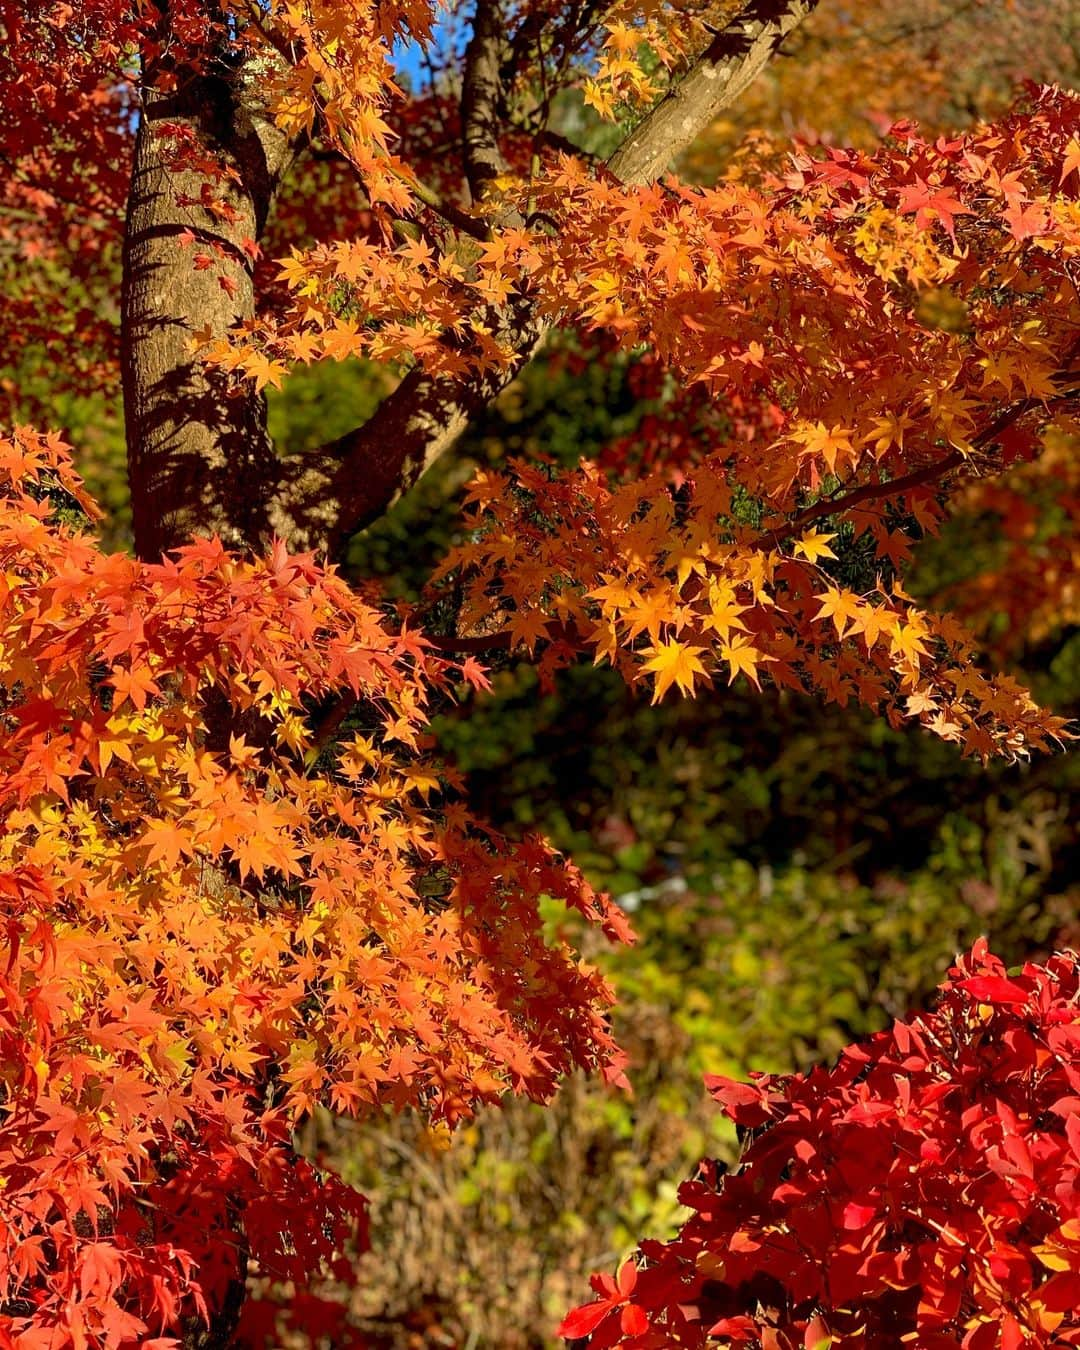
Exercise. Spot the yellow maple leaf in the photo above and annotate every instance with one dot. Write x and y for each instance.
(743, 659)
(650, 612)
(906, 642)
(830, 443)
(724, 609)
(921, 701)
(260, 368)
(1071, 161)
(674, 663)
(815, 544)
(841, 606)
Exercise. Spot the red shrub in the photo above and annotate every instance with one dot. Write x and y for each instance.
(924, 1191)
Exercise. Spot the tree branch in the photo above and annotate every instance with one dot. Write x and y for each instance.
(728, 66)
(929, 473)
(561, 631)
(831, 506)
(349, 483)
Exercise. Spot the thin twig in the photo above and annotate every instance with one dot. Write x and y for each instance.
(918, 477)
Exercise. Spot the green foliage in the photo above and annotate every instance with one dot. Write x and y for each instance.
(320, 402)
(638, 793)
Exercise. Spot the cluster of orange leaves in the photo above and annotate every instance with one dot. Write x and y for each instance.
(808, 299)
(803, 302)
(670, 587)
(212, 916)
(807, 285)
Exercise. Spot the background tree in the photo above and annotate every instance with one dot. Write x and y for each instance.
(223, 920)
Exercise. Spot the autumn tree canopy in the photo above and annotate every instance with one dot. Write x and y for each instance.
(237, 878)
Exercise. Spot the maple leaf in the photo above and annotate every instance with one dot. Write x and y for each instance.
(1025, 220)
(743, 658)
(1070, 162)
(827, 442)
(929, 201)
(258, 367)
(673, 662)
(167, 842)
(136, 684)
(724, 611)
(906, 641)
(649, 613)
(814, 545)
(842, 607)
(100, 1268)
(921, 702)
(527, 627)
(475, 674)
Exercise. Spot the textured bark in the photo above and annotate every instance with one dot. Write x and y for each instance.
(481, 93)
(199, 456)
(728, 66)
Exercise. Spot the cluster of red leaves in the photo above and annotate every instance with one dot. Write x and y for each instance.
(1032, 577)
(212, 918)
(62, 196)
(924, 1191)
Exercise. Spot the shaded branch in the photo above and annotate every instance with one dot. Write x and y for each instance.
(356, 478)
(929, 473)
(481, 99)
(568, 633)
(424, 192)
(831, 506)
(453, 215)
(558, 630)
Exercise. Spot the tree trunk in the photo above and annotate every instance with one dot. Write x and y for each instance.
(199, 456)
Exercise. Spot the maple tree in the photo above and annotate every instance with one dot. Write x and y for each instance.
(205, 933)
(237, 879)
